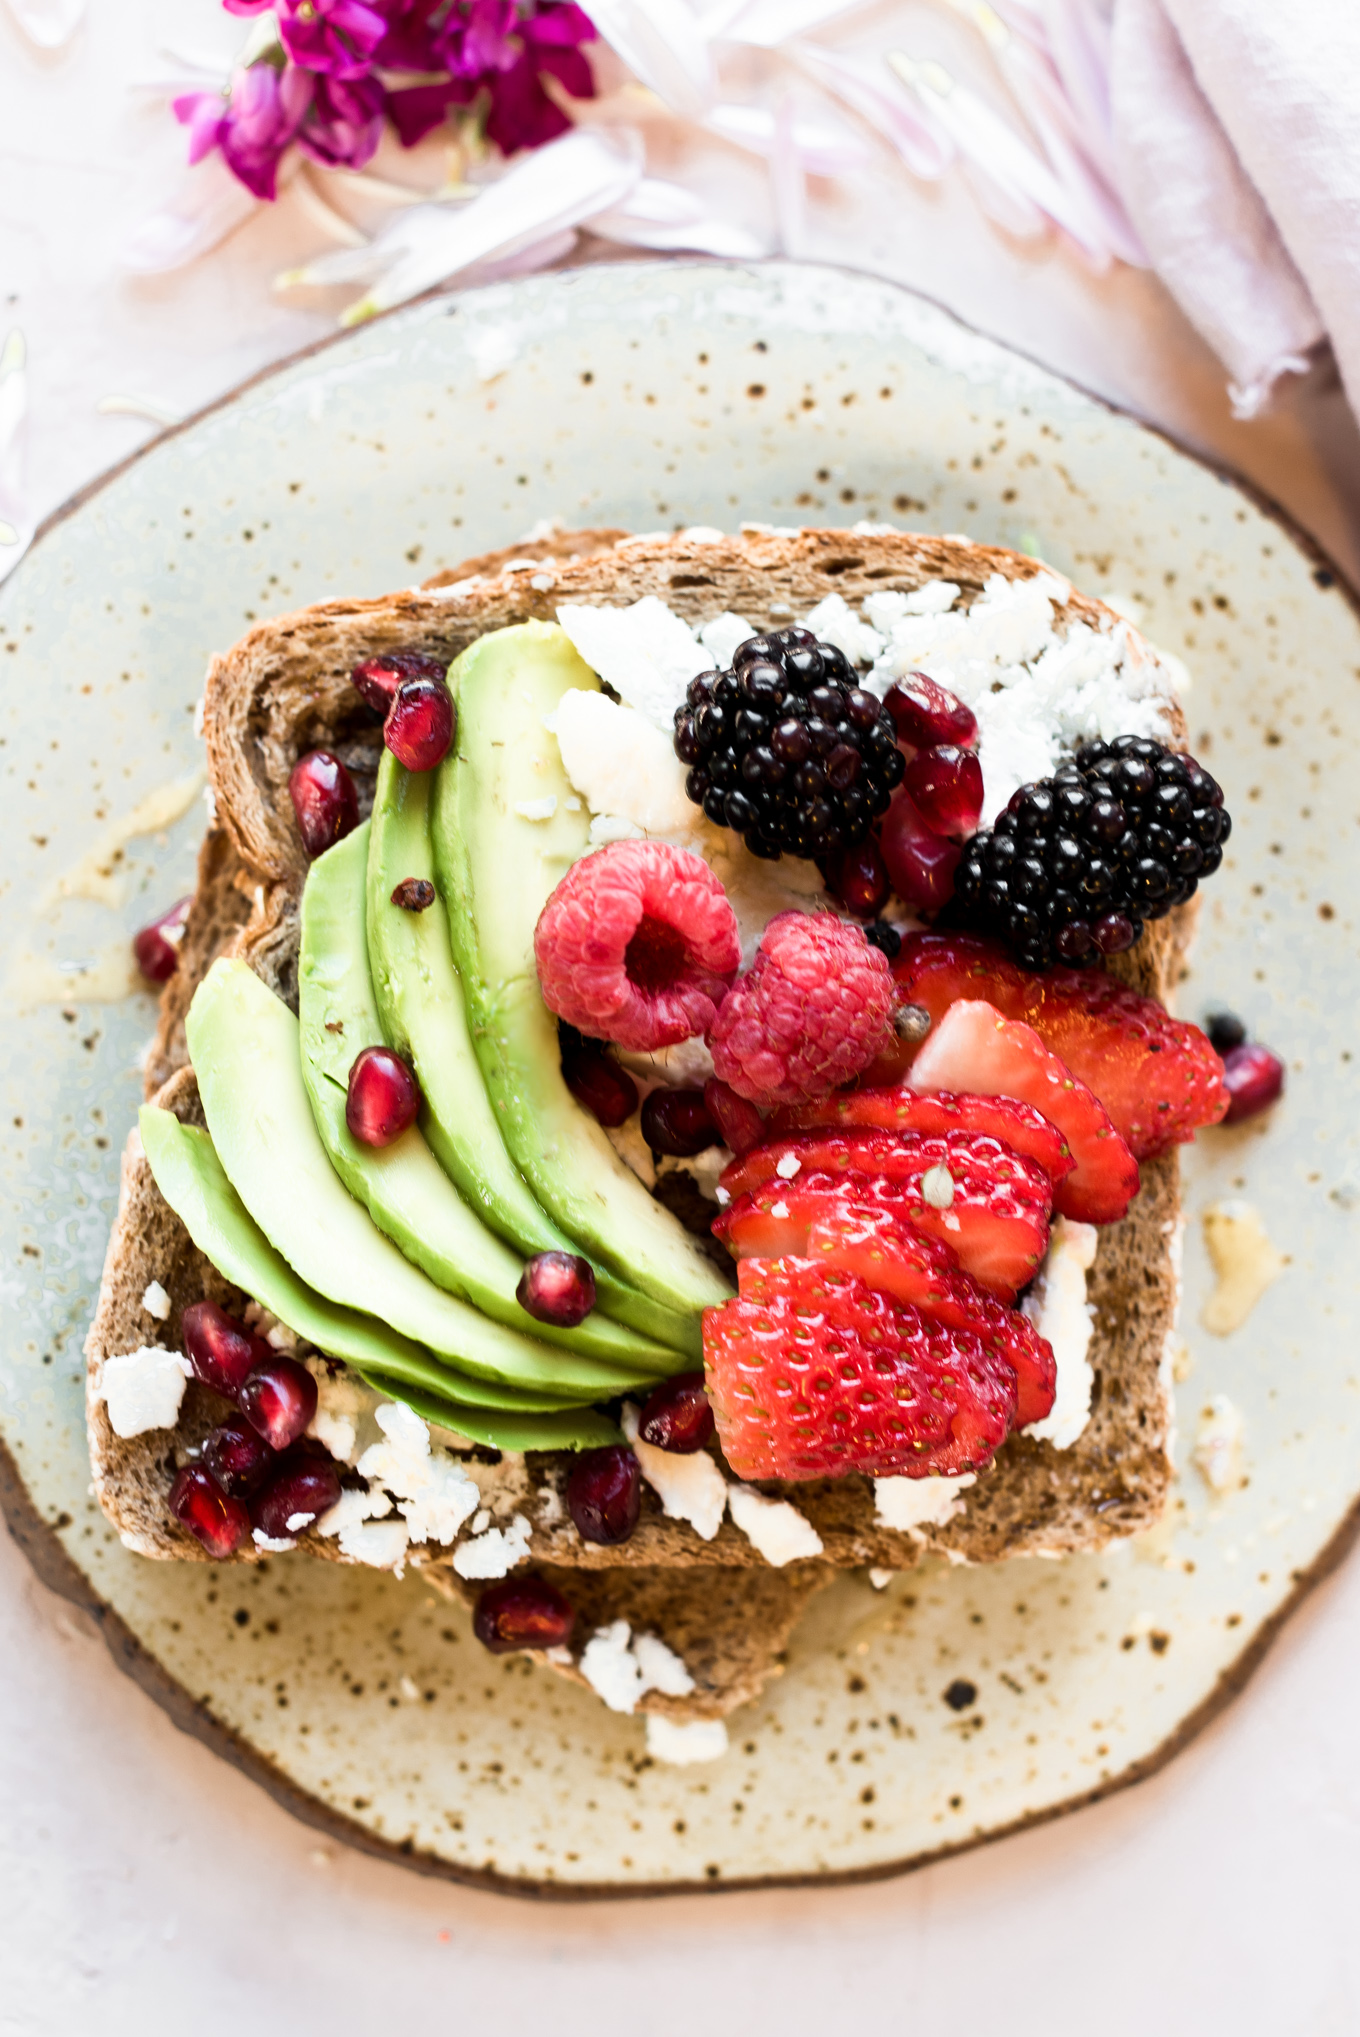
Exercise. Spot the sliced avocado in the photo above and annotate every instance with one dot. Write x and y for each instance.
(424, 1016)
(193, 1181)
(496, 870)
(574, 1429)
(406, 1191)
(243, 1042)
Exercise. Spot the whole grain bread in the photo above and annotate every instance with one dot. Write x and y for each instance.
(285, 688)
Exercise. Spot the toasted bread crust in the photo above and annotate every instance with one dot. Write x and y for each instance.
(285, 688)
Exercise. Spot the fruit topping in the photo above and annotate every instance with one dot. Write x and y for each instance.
(420, 723)
(1017, 1125)
(604, 1494)
(974, 1048)
(945, 787)
(413, 894)
(157, 947)
(522, 1612)
(969, 1192)
(813, 1374)
(811, 1012)
(1157, 1076)
(678, 1122)
(739, 1123)
(925, 713)
(219, 1520)
(858, 879)
(238, 1456)
(637, 944)
(1253, 1078)
(383, 1099)
(557, 1287)
(222, 1351)
(595, 1078)
(882, 1249)
(376, 680)
(678, 1416)
(881, 935)
(1077, 862)
(787, 748)
(305, 1485)
(324, 800)
(279, 1399)
(1225, 1030)
(920, 862)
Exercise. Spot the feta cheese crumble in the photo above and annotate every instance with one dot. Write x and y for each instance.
(620, 763)
(495, 1552)
(681, 1743)
(434, 1494)
(1058, 1308)
(909, 1504)
(143, 1389)
(774, 1527)
(621, 1669)
(691, 1487)
(537, 809)
(156, 1301)
(645, 652)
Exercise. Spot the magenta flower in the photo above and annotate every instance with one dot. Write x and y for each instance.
(336, 38)
(252, 125)
(344, 122)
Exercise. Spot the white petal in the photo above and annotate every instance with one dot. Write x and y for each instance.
(769, 23)
(48, 23)
(822, 150)
(867, 90)
(210, 205)
(658, 214)
(664, 46)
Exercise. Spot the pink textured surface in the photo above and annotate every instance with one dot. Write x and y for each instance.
(814, 1008)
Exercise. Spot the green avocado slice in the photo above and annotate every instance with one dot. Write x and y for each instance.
(424, 1016)
(406, 1191)
(243, 1042)
(496, 869)
(573, 1429)
(193, 1181)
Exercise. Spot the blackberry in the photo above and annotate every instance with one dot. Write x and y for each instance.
(787, 748)
(1077, 862)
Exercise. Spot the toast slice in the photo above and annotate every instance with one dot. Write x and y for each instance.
(285, 688)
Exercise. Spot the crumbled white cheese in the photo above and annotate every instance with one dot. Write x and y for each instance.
(773, 1526)
(143, 1389)
(779, 1210)
(481, 1520)
(690, 1485)
(277, 1335)
(356, 1503)
(722, 1195)
(435, 1493)
(335, 1433)
(787, 1165)
(620, 1669)
(937, 1187)
(276, 1545)
(495, 1552)
(343, 1405)
(835, 622)
(156, 1301)
(550, 1507)
(620, 763)
(1059, 1310)
(645, 652)
(881, 1579)
(683, 1742)
(1218, 1445)
(721, 637)
(380, 1544)
(911, 1503)
(295, 1523)
(539, 809)
(613, 827)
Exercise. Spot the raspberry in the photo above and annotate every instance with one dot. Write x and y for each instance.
(812, 1374)
(814, 1008)
(637, 945)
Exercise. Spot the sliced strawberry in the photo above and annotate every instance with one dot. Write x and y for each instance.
(1157, 1076)
(813, 1374)
(901, 1109)
(995, 1222)
(974, 1047)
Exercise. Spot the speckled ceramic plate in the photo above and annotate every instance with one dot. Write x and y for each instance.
(655, 396)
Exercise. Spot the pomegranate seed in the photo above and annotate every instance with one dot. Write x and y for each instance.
(324, 800)
(677, 1121)
(945, 785)
(279, 1399)
(1254, 1079)
(383, 1099)
(859, 879)
(604, 1494)
(926, 713)
(376, 680)
(557, 1287)
(221, 1350)
(920, 862)
(678, 1417)
(305, 1483)
(413, 894)
(237, 1456)
(738, 1121)
(596, 1080)
(157, 946)
(1074, 942)
(1113, 933)
(420, 724)
(522, 1612)
(220, 1522)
